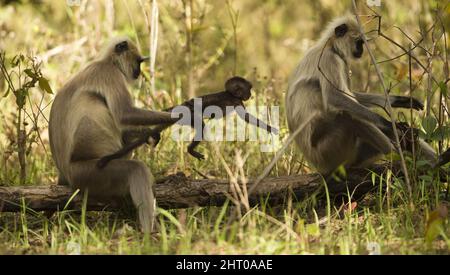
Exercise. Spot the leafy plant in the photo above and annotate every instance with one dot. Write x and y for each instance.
(21, 74)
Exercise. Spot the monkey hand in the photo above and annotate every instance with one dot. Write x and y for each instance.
(444, 158)
(408, 135)
(407, 102)
(154, 138)
(101, 163)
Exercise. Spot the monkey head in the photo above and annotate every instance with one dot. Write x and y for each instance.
(347, 37)
(239, 87)
(125, 55)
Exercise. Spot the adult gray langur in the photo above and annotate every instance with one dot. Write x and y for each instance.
(87, 119)
(344, 131)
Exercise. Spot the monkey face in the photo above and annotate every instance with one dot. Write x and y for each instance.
(128, 59)
(349, 41)
(137, 68)
(239, 87)
(359, 50)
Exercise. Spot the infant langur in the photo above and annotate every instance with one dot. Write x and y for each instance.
(237, 90)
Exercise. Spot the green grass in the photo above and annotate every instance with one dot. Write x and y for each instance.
(291, 228)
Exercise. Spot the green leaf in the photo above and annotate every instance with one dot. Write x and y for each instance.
(441, 133)
(423, 135)
(16, 60)
(30, 73)
(426, 178)
(43, 84)
(429, 124)
(21, 96)
(7, 92)
(422, 163)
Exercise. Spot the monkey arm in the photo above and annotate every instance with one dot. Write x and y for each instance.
(371, 100)
(125, 150)
(339, 101)
(135, 116)
(132, 140)
(131, 135)
(247, 117)
(121, 107)
(334, 87)
(334, 97)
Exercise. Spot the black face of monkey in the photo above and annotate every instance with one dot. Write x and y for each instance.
(239, 87)
(343, 32)
(137, 68)
(129, 58)
(359, 50)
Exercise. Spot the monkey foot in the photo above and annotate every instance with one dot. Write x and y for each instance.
(197, 155)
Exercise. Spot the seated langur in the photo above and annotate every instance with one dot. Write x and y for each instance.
(87, 119)
(344, 131)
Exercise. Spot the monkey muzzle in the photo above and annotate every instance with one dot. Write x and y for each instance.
(359, 48)
(137, 70)
(145, 59)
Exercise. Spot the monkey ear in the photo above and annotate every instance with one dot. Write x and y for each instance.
(341, 30)
(121, 47)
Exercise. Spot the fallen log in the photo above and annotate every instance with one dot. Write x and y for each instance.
(181, 192)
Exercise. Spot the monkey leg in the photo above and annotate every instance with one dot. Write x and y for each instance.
(132, 140)
(367, 132)
(101, 163)
(336, 142)
(366, 155)
(192, 152)
(195, 142)
(118, 179)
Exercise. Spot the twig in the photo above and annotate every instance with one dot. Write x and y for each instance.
(61, 48)
(388, 105)
(380, 33)
(153, 43)
(411, 111)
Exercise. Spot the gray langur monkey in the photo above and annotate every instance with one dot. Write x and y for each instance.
(87, 119)
(344, 131)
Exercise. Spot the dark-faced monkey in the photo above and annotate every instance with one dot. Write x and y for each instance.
(87, 119)
(237, 90)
